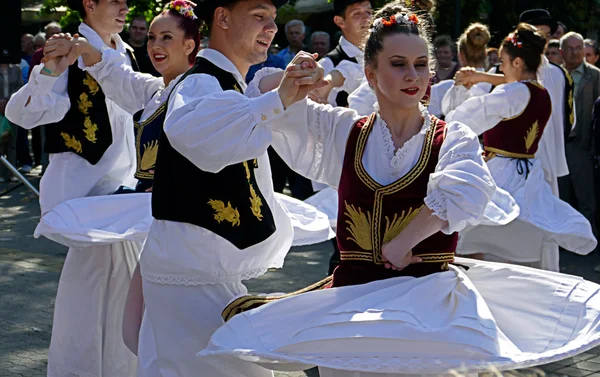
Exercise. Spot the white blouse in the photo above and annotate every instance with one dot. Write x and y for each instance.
(213, 129)
(311, 138)
(69, 176)
(483, 113)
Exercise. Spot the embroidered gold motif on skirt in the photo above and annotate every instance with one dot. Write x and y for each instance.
(359, 226)
(90, 130)
(532, 135)
(225, 213)
(84, 103)
(91, 84)
(71, 142)
(149, 157)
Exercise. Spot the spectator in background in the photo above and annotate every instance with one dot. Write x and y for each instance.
(11, 81)
(27, 48)
(37, 134)
(320, 42)
(295, 32)
(39, 41)
(577, 188)
(591, 52)
(274, 49)
(493, 56)
(138, 33)
(272, 61)
(553, 52)
(445, 52)
(560, 31)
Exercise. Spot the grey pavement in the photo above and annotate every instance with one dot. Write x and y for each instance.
(30, 268)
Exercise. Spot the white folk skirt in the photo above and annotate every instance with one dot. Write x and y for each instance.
(87, 336)
(544, 220)
(490, 317)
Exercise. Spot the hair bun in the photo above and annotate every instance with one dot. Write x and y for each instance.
(478, 35)
(531, 38)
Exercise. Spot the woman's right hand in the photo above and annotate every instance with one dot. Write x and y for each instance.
(61, 51)
(467, 77)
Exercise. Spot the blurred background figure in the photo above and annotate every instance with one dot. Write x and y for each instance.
(591, 51)
(560, 31)
(553, 52)
(320, 42)
(138, 35)
(295, 32)
(445, 53)
(493, 56)
(11, 81)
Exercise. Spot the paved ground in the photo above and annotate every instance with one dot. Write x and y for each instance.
(30, 268)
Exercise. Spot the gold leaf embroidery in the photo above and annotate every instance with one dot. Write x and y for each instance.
(247, 170)
(394, 227)
(255, 203)
(237, 88)
(91, 84)
(532, 135)
(359, 226)
(225, 213)
(149, 156)
(84, 103)
(90, 130)
(71, 142)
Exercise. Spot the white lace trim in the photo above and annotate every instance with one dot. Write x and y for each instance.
(394, 156)
(437, 204)
(316, 168)
(163, 93)
(192, 281)
(253, 90)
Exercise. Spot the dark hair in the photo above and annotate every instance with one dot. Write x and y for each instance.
(443, 41)
(555, 43)
(525, 43)
(77, 5)
(563, 26)
(342, 10)
(190, 26)
(491, 50)
(379, 29)
(473, 44)
(139, 17)
(210, 14)
(593, 44)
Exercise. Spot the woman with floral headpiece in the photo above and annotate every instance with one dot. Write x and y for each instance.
(407, 181)
(512, 119)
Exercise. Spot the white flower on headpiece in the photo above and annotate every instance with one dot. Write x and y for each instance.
(378, 22)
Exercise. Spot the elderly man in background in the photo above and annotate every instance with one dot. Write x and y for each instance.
(320, 42)
(295, 32)
(577, 188)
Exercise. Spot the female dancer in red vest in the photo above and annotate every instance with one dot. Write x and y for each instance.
(407, 182)
(512, 119)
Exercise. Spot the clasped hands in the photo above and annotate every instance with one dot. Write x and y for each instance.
(302, 76)
(61, 51)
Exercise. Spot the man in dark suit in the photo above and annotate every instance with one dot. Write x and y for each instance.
(578, 187)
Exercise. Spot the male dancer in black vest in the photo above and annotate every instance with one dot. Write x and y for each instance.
(91, 146)
(216, 219)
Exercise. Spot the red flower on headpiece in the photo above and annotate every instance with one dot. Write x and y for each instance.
(414, 19)
(389, 22)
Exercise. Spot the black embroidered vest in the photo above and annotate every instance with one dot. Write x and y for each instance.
(337, 55)
(228, 203)
(147, 136)
(85, 129)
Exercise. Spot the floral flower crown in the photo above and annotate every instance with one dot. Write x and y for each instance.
(514, 39)
(398, 18)
(184, 8)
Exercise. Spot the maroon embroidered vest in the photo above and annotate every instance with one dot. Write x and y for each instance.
(518, 137)
(370, 214)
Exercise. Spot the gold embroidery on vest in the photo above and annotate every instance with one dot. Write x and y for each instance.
(71, 142)
(255, 200)
(90, 130)
(228, 213)
(394, 227)
(359, 226)
(237, 88)
(84, 103)
(91, 84)
(149, 156)
(532, 135)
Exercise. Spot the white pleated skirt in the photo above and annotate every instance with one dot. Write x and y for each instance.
(490, 317)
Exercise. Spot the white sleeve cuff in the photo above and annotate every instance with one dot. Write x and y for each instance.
(436, 202)
(267, 107)
(44, 84)
(253, 89)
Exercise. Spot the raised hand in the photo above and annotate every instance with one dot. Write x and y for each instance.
(61, 51)
(301, 76)
(466, 77)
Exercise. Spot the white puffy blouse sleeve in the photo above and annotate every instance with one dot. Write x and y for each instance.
(311, 138)
(120, 83)
(214, 128)
(461, 187)
(485, 112)
(48, 100)
(363, 99)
